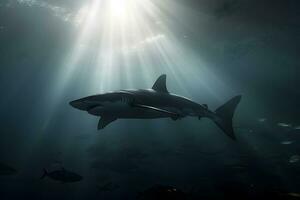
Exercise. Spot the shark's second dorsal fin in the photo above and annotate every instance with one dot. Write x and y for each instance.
(160, 84)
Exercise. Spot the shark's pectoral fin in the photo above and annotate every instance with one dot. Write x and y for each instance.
(172, 114)
(104, 121)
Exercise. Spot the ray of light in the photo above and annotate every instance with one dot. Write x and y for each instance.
(122, 41)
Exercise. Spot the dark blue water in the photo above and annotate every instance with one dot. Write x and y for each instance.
(52, 52)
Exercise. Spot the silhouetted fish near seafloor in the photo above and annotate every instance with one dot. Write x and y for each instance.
(62, 175)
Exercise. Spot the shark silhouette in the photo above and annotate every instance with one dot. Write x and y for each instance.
(154, 103)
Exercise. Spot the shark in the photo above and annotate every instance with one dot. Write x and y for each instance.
(154, 103)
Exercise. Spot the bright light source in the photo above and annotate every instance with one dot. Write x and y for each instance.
(122, 11)
(118, 8)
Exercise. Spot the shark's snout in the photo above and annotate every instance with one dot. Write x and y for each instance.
(78, 104)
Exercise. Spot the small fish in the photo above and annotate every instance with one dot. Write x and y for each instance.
(294, 159)
(262, 120)
(7, 170)
(293, 194)
(297, 127)
(287, 142)
(238, 167)
(284, 124)
(62, 175)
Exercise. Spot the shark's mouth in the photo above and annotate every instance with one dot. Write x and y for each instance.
(94, 106)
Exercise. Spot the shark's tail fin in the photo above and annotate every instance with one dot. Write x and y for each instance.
(224, 115)
(44, 174)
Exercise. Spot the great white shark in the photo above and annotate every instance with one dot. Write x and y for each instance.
(154, 103)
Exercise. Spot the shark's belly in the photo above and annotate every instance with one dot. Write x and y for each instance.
(123, 110)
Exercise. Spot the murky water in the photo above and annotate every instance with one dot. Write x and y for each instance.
(53, 52)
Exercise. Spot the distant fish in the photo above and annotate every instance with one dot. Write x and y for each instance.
(293, 194)
(297, 127)
(239, 167)
(284, 125)
(294, 159)
(262, 120)
(62, 175)
(6, 170)
(287, 142)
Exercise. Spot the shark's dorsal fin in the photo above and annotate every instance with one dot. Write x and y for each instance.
(160, 84)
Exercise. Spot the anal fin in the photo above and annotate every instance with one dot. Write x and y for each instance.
(104, 121)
